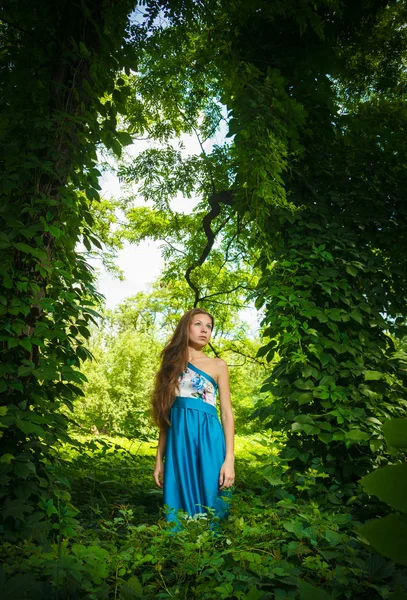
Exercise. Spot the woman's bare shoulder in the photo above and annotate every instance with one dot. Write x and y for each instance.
(220, 366)
(220, 362)
(216, 362)
(215, 365)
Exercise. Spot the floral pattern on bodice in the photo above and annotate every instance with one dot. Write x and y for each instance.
(194, 383)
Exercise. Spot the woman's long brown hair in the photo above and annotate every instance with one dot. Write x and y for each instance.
(174, 359)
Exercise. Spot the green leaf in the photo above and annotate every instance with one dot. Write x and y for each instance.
(389, 484)
(373, 375)
(7, 281)
(7, 458)
(254, 594)
(23, 370)
(374, 420)
(274, 480)
(56, 232)
(96, 242)
(29, 427)
(92, 194)
(356, 435)
(305, 419)
(131, 589)
(310, 429)
(37, 252)
(310, 592)
(304, 385)
(84, 51)
(25, 343)
(332, 537)
(124, 138)
(17, 508)
(325, 437)
(87, 243)
(335, 314)
(116, 147)
(18, 586)
(23, 469)
(305, 398)
(356, 316)
(334, 498)
(76, 389)
(15, 385)
(388, 536)
(395, 433)
(351, 270)
(375, 445)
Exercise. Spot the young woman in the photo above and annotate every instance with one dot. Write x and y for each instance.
(198, 469)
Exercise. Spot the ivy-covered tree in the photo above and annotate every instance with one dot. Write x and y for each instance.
(335, 295)
(61, 93)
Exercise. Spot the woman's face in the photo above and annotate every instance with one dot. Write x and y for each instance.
(200, 329)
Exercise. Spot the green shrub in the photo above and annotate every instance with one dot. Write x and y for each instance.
(388, 535)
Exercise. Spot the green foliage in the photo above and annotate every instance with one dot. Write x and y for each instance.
(330, 268)
(263, 122)
(388, 535)
(119, 380)
(268, 548)
(302, 212)
(208, 247)
(336, 379)
(59, 75)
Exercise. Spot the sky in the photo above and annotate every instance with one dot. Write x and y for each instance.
(143, 263)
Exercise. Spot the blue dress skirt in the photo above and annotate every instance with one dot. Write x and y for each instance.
(195, 451)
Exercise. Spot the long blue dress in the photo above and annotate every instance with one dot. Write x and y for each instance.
(195, 450)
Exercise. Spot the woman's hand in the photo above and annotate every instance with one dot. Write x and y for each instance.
(227, 474)
(159, 473)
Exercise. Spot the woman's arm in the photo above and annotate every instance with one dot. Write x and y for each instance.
(158, 473)
(227, 473)
(162, 441)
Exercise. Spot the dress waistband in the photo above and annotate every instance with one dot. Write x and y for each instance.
(195, 403)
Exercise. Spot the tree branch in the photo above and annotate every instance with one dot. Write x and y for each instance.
(214, 201)
(253, 358)
(174, 248)
(239, 286)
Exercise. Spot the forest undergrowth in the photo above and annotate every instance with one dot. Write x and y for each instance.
(282, 536)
